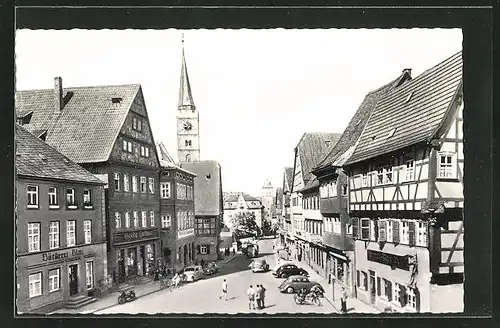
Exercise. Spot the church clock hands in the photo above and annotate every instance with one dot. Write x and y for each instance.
(187, 125)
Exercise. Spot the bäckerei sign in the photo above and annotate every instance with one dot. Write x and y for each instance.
(61, 255)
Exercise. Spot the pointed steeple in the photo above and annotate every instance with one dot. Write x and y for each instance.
(185, 96)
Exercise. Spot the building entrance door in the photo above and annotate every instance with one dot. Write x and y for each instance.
(73, 279)
(142, 258)
(373, 287)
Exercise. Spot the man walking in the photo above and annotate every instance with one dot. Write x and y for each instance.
(224, 290)
(343, 300)
(251, 298)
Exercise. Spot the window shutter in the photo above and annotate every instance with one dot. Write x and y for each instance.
(382, 230)
(395, 231)
(355, 229)
(402, 295)
(198, 249)
(389, 294)
(411, 233)
(208, 249)
(375, 227)
(417, 299)
(378, 286)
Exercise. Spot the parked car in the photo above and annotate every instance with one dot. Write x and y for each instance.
(259, 265)
(290, 270)
(193, 273)
(211, 268)
(281, 263)
(295, 283)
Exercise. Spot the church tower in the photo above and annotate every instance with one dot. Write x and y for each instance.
(188, 119)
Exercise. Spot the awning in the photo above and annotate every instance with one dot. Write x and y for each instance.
(339, 256)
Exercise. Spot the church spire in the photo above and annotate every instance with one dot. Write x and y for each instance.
(185, 96)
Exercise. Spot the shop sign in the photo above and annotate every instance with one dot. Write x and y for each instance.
(392, 260)
(62, 255)
(130, 236)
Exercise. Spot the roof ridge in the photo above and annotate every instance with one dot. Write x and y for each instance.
(82, 87)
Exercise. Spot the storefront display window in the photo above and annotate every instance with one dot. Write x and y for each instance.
(131, 261)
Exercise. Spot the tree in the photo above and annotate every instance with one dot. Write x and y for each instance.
(245, 223)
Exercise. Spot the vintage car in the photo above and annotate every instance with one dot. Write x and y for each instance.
(288, 270)
(211, 268)
(295, 283)
(193, 273)
(259, 265)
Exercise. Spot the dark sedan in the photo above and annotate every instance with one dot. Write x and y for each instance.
(290, 270)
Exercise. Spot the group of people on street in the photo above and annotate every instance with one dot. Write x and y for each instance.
(256, 297)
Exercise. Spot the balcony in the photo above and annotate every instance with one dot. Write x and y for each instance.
(185, 233)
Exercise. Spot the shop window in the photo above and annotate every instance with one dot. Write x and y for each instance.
(89, 274)
(32, 196)
(151, 185)
(54, 234)
(33, 237)
(116, 177)
(71, 233)
(54, 280)
(126, 182)
(53, 201)
(87, 198)
(35, 284)
(165, 189)
(87, 230)
(143, 184)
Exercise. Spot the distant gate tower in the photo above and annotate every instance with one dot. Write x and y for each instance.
(188, 119)
(267, 199)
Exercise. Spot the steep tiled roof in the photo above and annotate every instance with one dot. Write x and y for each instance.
(355, 127)
(34, 158)
(87, 127)
(312, 148)
(166, 160)
(207, 186)
(311, 184)
(288, 176)
(415, 110)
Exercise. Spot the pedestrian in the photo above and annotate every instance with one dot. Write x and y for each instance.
(343, 300)
(263, 297)
(202, 263)
(224, 290)
(251, 298)
(258, 297)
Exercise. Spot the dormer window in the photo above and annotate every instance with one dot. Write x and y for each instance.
(116, 100)
(327, 143)
(391, 133)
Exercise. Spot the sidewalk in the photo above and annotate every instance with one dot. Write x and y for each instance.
(111, 299)
(354, 305)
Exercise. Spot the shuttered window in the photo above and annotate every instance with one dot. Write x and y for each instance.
(355, 228)
(365, 229)
(411, 233)
(379, 287)
(395, 231)
(382, 230)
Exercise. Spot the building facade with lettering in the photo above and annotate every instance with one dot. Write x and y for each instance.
(208, 207)
(176, 213)
(60, 228)
(406, 195)
(106, 130)
(337, 226)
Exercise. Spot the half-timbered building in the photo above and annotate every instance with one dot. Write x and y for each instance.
(406, 195)
(337, 227)
(106, 130)
(285, 228)
(310, 150)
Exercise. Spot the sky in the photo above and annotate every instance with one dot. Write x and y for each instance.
(257, 91)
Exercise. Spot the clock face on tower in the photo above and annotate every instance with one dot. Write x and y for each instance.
(187, 126)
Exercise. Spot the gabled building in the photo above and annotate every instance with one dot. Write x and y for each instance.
(311, 149)
(241, 203)
(176, 213)
(60, 228)
(406, 195)
(337, 228)
(285, 226)
(208, 207)
(106, 130)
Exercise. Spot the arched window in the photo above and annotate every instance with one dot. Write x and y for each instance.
(188, 158)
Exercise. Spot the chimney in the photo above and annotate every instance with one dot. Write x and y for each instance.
(407, 70)
(58, 95)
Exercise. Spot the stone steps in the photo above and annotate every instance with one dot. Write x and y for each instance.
(77, 302)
